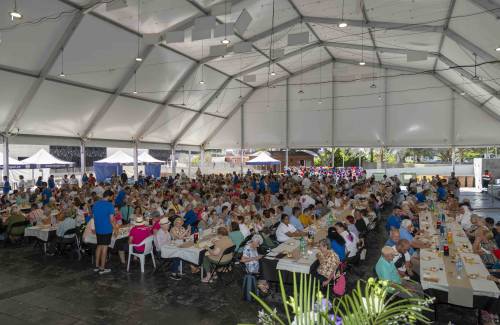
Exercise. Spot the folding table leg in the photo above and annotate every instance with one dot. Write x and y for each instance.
(180, 268)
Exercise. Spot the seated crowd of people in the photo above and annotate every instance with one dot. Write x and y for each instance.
(399, 262)
(252, 212)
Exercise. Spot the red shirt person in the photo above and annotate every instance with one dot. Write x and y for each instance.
(138, 233)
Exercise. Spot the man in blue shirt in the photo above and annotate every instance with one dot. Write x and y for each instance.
(294, 219)
(120, 198)
(420, 197)
(441, 192)
(190, 217)
(103, 212)
(394, 221)
(405, 232)
(6, 185)
(394, 237)
(274, 186)
(46, 194)
(51, 182)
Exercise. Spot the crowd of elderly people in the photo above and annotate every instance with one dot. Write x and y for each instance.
(272, 208)
(399, 261)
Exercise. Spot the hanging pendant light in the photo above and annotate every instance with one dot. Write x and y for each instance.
(138, 58)
(15, 14)
(62, 75)
(362, 62)
(342, 23)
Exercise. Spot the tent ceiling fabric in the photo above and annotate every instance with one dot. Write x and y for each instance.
(416, 52)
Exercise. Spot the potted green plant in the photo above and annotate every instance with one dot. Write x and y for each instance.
(370, 302)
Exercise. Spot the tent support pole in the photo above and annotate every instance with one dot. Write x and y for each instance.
(173, 161)
(286, 158)
(6, 155)
(136, 159)
(202, 159)
(189, 163)
(82, 157)
(242, 136)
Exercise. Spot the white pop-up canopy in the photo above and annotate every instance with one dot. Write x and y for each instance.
(118, 157)
(146, 158)
(263, 159)
(43, 159)
(13, 163)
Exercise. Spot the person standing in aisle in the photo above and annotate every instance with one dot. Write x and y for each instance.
(103, 212)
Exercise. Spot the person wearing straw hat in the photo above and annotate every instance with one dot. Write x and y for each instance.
(138, 233)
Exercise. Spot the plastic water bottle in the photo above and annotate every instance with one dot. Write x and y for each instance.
(330, 220)
(200, 231)
(459, 265)
(302, 246)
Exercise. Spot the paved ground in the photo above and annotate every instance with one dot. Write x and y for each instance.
(58, 290)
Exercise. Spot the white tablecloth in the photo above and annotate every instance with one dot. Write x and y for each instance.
(432, 264)
(302, 265)
(122, 233)
(40, 232)
(189, 254)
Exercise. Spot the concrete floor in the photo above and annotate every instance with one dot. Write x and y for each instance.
(483, 204)
(58, 290)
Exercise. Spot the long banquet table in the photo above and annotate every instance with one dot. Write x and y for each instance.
(438, 272)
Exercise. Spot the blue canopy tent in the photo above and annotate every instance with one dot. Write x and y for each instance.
(105, 168)
(152, 165)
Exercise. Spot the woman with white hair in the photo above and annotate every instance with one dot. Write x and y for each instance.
(251, 257)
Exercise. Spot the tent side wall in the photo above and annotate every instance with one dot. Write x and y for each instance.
(104, 171)
(402, 109)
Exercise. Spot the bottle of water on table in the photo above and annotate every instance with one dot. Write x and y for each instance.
(302, 246)
(459, 265)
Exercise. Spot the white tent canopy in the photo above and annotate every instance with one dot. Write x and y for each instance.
(12, 161)
(263, 159)
(44, 159)
(147, 158)
(430, 75)
(118, 157)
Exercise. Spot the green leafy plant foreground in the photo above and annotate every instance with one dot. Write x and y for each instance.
(371, 302)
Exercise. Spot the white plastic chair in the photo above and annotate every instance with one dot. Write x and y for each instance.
(148, 250)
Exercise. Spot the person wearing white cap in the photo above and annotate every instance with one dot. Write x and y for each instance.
(385, 268)
(162, 236)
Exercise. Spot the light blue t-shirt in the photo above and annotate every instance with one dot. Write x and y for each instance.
(296, 222)
(387, 271)
(405, 234)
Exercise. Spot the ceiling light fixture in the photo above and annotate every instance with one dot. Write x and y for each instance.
(373, 86)
(62, 64)
(273, 73)
(320, 102)
(342, 23)
(497, 49)
(225, 41)
(138, 58)
(202, 82)
(462, 93)
(362, 62)
(15, 14)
